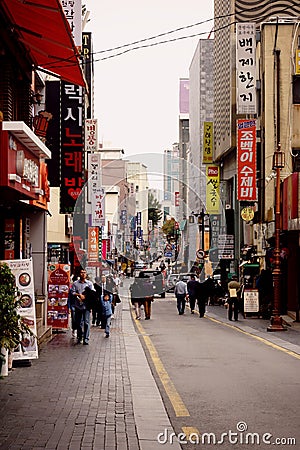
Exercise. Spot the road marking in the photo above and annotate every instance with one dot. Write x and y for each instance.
(192, 434)
(175, 399)
(263, 340)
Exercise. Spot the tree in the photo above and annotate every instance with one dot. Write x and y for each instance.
(154, 209)
(168, 228)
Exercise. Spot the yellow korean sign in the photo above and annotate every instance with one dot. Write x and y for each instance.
(208, 140)
(297, 65)
(212, 189)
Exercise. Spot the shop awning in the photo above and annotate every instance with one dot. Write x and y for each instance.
(42, 28)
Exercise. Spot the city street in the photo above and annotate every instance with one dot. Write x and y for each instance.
(227, 379)
(207, 377)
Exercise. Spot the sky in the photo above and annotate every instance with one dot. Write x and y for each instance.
(137, 93)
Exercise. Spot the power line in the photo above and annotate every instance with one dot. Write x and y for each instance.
(85, 62)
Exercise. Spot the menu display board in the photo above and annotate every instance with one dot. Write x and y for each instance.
(58, 290)
(22, 269)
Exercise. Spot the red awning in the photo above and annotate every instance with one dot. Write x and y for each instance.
(45, 32)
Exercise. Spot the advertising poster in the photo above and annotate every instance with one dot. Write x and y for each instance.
(58, 290)
(251, 302)
(23, 271)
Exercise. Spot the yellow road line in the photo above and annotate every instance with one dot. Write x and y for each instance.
(191, 432)
(263, 340)
(175, 399)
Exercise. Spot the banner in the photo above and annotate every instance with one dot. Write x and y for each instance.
(212, 189)
(58, 291)
(246, 160)
(93, 244)
(72, 154)
(98, 207)
(246, 68)
(208, 141)
(23, 271)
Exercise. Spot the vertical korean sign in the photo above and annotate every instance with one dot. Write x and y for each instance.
(23, 271)
(58, 290)
(72, 155)
(208, 139)
(246, 68)
(212, 189)
(93, 244)
(98, 207)
(246, 160)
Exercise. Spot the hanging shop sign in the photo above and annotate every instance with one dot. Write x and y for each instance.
(246, 160)
(247, 214)
(246, 68)
(208, 140)
(72, 155)
(212, 189)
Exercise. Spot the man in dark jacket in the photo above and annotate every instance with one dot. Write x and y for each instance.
(234, 288)
(193, 290)
(81, 290)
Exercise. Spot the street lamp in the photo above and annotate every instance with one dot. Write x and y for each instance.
(276, 320)
(201, 222)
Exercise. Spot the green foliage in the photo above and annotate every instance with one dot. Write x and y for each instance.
(154, 209)
(11, 325)
(168, 227)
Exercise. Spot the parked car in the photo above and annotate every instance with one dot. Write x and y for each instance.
(157, 279)
(174, 277)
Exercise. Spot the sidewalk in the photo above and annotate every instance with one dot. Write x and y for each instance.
(290, 339)
(101, 396)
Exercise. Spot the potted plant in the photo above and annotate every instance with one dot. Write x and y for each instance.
(11, 325)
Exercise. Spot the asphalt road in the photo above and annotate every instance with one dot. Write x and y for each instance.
(228, 382)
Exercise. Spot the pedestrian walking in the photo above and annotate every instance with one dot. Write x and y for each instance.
(193, 290)
(136, 298)
(71, 308)
(111, 288)
(148, 296)
(181, 294)
(206, 290)
(234, 288)
(82, 290)
(97, 309)
(106, 300)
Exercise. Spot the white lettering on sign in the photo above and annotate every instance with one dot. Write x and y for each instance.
(31, 172)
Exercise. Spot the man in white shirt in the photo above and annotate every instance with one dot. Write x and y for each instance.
(181, 294)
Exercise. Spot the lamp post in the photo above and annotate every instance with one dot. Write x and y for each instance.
(201, 222)
(276, 320)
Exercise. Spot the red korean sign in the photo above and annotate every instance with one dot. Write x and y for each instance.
(246, 160)
(93, 244)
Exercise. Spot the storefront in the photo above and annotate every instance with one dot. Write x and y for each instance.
(24, 194)
(290, 252)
